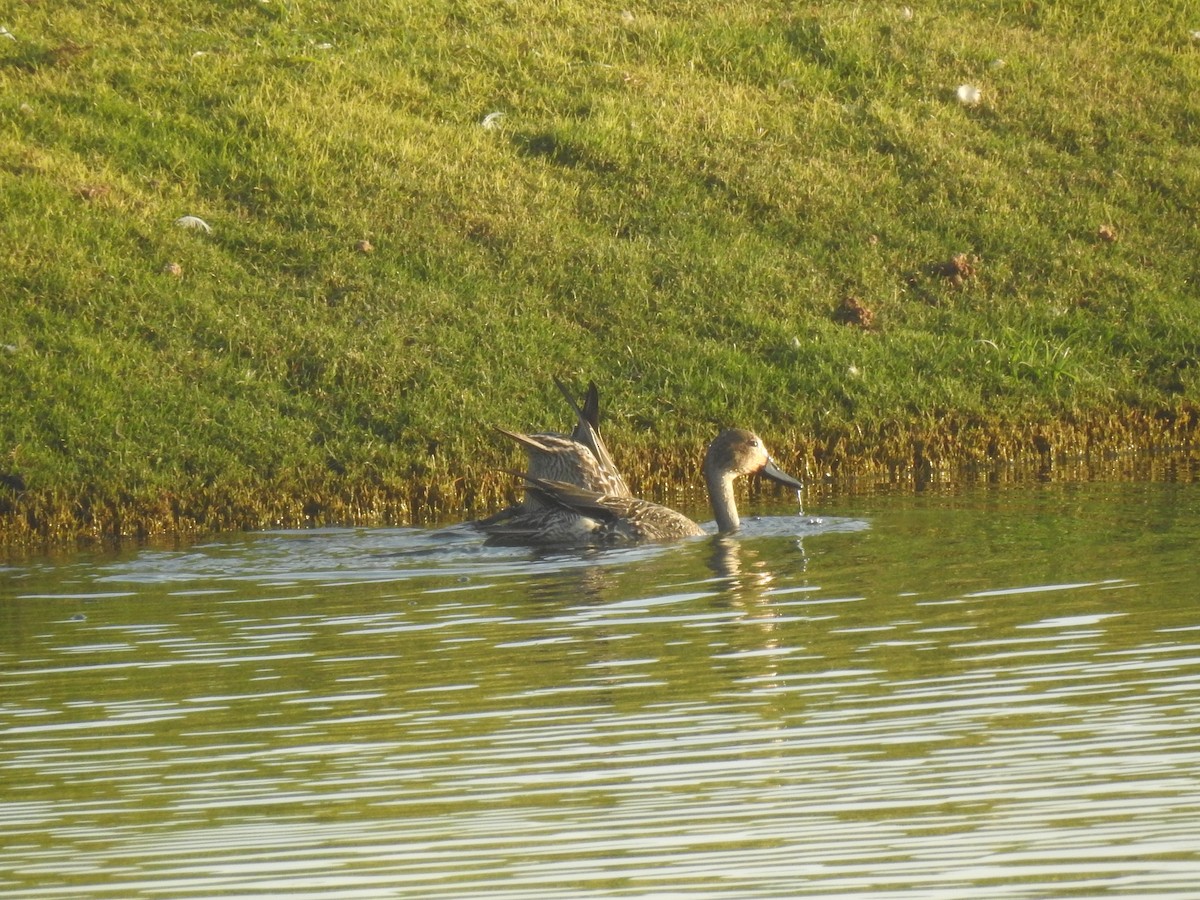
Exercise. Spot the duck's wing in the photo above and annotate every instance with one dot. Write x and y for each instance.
(554, 457)
(534, 443)
(613, 519)
(572, 498)
(589, 413)
(587, 433)
(556, 513)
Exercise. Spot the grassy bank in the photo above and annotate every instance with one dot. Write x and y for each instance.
(774, 214)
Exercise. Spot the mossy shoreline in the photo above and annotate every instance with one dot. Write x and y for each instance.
(1130, 445)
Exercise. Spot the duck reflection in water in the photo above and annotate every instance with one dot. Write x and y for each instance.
(743, 571)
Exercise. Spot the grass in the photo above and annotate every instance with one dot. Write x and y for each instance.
(675, 199)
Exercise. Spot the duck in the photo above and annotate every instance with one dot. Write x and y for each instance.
(573, 515)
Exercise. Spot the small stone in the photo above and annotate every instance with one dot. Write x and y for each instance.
(364, 246)
(1107, 233)
(173, 269)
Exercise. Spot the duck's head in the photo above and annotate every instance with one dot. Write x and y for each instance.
(738, 452)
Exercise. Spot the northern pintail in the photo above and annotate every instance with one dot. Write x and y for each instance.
(573, 515)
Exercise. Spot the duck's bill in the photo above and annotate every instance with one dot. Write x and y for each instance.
(776, 474)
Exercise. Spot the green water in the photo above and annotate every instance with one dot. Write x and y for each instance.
(992, 692)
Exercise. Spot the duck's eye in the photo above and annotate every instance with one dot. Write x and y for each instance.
(753, 442)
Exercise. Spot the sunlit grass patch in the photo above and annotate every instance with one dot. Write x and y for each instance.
(675, 200)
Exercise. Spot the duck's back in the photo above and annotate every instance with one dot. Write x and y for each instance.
(587, 517)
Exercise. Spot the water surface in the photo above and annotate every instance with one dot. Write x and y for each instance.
(991, 692)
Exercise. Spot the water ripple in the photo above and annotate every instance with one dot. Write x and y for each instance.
(388, 714)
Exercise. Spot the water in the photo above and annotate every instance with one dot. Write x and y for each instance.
(992, 693)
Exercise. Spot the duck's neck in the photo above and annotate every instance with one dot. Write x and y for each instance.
(720, 495)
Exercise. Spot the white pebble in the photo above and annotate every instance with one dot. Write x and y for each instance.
(969, 95)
